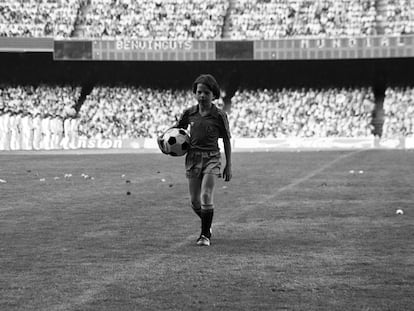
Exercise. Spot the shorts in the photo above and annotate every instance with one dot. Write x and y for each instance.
(199, 163)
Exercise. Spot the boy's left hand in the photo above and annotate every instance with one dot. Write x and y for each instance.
(227, 175)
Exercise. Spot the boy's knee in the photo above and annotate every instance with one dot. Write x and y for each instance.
(195, 205)
(206, 198)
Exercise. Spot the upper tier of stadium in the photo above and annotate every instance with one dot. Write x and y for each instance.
(204, 19)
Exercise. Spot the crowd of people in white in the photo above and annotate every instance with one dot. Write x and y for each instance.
(202, 19)
(38, 117)
(44, 117)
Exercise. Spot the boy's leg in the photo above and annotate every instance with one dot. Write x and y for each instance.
(194, 185)
(207, 205)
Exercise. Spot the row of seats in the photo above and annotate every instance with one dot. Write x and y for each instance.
(203, 19)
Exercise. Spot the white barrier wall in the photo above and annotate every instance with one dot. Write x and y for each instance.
(248, 144)
(244, 144)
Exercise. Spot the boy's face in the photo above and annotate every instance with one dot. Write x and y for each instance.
(203, 94)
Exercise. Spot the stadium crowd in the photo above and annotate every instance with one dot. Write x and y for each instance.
(398, 112)
(38, 117)
(399, 17)
(203, 19)
(33, 18)
(260, 19)
(44, 117)
(176, 19)
(302, 113)
(131, 112)
(55, 117)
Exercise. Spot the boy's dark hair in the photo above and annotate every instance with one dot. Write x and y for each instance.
(210, 82)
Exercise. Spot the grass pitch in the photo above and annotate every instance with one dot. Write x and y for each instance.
(292, 231)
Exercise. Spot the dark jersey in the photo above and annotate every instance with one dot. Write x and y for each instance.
(205, 130)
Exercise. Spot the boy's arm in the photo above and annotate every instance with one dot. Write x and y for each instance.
(227, 174)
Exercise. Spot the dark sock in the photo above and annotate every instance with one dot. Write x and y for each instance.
(206, 220)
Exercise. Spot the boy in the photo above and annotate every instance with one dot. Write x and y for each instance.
(203, 160)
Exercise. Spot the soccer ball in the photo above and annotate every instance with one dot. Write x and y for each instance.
(176, 142)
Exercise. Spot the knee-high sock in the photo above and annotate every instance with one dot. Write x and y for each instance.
(207, 212)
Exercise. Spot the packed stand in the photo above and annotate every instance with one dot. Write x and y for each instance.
(38, 118)
(270, 19)
(169, 19)
(398, 17)
(33, 18)
(398, 112)
(302, 113)
(131, 112)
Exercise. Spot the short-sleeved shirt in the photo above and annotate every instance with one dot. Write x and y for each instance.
(205, 130)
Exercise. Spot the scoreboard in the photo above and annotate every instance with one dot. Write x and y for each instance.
(72, 50)
(336, 48)
(153, 50)
(232, 50)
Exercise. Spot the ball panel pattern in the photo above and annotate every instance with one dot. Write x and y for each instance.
(176, 142)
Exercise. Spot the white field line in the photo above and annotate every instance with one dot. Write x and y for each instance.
(75, 303)
(310, 175)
